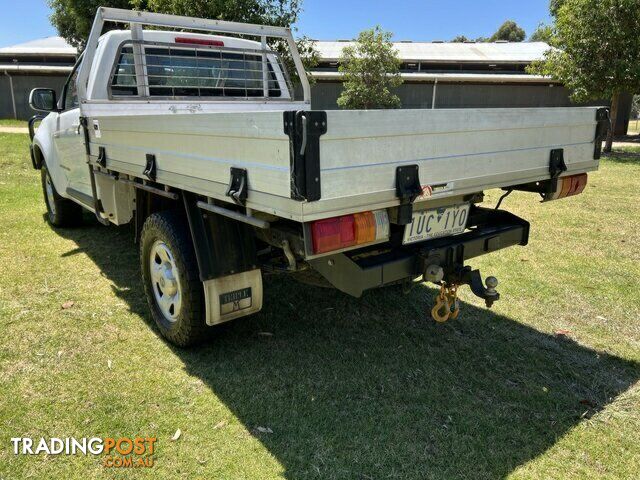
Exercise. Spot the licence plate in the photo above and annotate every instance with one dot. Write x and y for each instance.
(439, 222)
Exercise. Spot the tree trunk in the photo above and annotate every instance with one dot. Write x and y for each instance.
(615, 100)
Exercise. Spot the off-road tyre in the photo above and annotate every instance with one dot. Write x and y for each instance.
(170, 229)
(61, 212)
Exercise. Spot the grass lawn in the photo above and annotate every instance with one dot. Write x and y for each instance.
(634, 126)
(320, 385)
(10, 122)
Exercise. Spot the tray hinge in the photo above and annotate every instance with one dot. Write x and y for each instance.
(556, 163)
(97, 204)
(150, 168)
(408, 187)
(603, 124)
(238, 185)
(304, 129)
(102, 157)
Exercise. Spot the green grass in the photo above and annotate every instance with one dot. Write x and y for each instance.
(351, 388)
(10, 122)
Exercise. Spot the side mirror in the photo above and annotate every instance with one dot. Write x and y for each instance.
(43, 100)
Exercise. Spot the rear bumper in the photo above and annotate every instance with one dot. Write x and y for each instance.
(356, 271)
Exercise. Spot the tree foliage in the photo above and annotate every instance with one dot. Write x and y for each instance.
(598, 50)
(543, 33)
(73, 18)
(281, 13)
(371, 69)
(554, 6)
(460, 39)
(308, 53)
(510, 32)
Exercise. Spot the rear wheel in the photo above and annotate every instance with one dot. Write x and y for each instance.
(170, 274)
(61, 212)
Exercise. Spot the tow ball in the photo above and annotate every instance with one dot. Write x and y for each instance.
(447, 305)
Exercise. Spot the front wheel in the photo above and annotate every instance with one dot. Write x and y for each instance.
(61, 212)
(170, 274)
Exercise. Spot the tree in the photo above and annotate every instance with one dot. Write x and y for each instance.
(371, 69)
(598, 51)
(282, 13)
(308, 53)
(509, 31)
(554, 6)
(542, 33)
(73, 18)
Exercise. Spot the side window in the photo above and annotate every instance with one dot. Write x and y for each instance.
(123, 80)
(194, 72)
(71, 94)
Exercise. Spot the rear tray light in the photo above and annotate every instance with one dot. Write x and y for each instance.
(199, 41)
(569, 186)
(349, 230)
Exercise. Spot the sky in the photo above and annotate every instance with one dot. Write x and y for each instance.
(417, 20)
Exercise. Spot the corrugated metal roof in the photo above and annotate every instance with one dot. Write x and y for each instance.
(41, 46)
(518, 52)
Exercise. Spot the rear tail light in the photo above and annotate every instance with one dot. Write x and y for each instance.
(342, 232)
(569, 186)
(199, 41)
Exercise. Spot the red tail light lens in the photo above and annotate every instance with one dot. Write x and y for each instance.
(333, 234)
(199, 41)
(349, 230)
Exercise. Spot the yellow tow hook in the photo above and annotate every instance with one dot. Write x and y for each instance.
(447, 304)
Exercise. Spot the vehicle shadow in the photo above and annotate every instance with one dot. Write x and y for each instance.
(372, 388)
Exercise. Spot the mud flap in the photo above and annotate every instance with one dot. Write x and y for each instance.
(233, 296)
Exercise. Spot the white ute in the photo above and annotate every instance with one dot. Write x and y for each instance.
(198, 139)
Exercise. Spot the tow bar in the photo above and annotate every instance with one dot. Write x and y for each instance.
(447, 305)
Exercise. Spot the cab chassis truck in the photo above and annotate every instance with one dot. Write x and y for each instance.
(198, 139)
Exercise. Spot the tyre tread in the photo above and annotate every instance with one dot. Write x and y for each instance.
(190, 328)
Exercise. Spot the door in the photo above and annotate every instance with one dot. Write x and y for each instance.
(69, 138)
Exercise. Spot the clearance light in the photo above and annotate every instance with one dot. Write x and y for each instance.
(199, 41)
(569, 186)
(341, 232)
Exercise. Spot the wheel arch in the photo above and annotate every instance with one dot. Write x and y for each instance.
(223, 246)
(37, 157)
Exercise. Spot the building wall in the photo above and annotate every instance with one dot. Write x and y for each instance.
(324, 96)
(22, 86)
